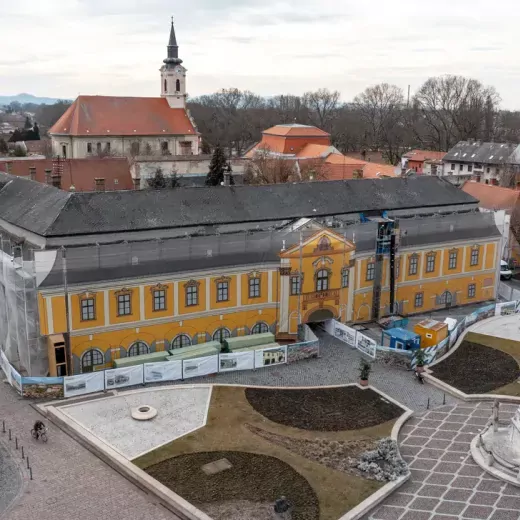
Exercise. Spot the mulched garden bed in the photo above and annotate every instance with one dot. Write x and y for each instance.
(253, 478)
(323, 409)
(476, 369)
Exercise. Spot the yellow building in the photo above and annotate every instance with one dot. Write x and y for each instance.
(135, 278)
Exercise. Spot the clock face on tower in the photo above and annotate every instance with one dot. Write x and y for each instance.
(178, 70)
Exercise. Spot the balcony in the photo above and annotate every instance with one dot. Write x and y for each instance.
(320, 296)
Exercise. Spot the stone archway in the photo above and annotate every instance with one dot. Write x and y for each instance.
(318, 315)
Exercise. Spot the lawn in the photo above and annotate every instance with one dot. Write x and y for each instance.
(482, 364)
(305, 460)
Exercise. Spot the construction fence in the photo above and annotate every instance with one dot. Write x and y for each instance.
(162, 372)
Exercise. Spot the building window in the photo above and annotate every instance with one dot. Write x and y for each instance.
(159, 300)
(135, 148)
(192, 294)
(472, 289)
(260, 328)
(419, 300)
(221, 334)
(107, 147)
(371, 271)
(180, 341)
(452, 166)
(324, 244)
(296, 285)
(452, 263)
(470, 168)
(165, 85)
(474, 256)
(91, 359)
(88, 311)
(344, 277)
(124, 306)
(178, 85)
(322, 280)
(254, 287)
(413, 265)
(497, 171)
(89, 147)
(64, 151)
(164, 148)
(139, 348)
(461, 167)
(430, 263)
(98, 148)
(222, 291)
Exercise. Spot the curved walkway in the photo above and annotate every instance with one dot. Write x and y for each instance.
(445, 482)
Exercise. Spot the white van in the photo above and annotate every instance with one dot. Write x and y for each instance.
(505, 272)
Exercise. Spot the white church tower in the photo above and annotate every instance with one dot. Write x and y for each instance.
(173, 75)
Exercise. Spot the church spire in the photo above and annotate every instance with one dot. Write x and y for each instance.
(173, 49)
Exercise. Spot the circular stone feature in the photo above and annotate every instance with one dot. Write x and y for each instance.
(323, 409)
(143, 413)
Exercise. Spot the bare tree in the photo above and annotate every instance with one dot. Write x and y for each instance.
(323, 106)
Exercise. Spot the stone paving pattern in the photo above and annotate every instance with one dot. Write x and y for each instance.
(70, 483)
(445, 482)
(11, 479)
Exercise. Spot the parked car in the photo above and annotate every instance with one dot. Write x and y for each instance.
(505, 272)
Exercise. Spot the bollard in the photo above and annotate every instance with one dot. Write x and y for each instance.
(16, 442)
(30, 471)
(444, 399)
(428, 405)
(3, 426)
(27, 461)
(23, 456)
(9, 433)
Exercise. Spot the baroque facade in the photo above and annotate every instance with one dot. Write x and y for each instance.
(149, 274)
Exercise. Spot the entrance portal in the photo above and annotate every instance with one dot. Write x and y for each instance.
(320, 315)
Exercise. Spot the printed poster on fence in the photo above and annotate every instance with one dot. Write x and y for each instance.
(505, 309)
(6, 367)
(366, 345)
(120, 377)
(83, 384)
(270, 356)
(345, 334)
(202, 366)
(162, 371)
(237, 361)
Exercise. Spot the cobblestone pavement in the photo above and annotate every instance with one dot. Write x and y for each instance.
(338, 364)
(11, 479)
(70, 483)
(446, 483)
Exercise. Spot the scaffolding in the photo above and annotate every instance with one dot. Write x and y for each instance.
(19, 331)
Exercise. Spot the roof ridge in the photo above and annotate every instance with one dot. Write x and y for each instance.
(67, 199)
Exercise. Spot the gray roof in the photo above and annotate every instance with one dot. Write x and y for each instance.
(482, 153)
(141, 259)
(50, 212)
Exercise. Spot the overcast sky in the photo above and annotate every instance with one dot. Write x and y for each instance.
(61, 48)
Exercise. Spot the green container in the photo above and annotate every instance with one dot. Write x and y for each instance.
(133, 361)
(249, 341)
(256, 347)
(211, 348)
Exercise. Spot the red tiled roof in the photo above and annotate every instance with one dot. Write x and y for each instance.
(79, 172)
(314, 151)
(109, 115)
(492, 197)
(424, 155)
(295, 131)
(374, 171)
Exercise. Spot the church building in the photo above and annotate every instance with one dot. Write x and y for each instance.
(97, 126)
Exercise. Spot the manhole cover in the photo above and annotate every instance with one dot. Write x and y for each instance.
(216, 466)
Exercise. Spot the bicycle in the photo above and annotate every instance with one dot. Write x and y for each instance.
(42, 435)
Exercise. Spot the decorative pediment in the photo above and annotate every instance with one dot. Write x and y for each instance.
(86, 295)
(432, 253)
(159, 287)
(222, 279)
(324, 244)
(192, 283)
(254, 274)
(322, 261)
(123, 291)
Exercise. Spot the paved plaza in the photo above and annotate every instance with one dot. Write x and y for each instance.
(445, 482)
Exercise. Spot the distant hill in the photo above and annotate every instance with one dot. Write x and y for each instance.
(27, 98)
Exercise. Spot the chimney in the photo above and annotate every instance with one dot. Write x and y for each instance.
(137, 183)
(357, 174)
(56, 180)
(32, 173)
(48, 176)
(100, 183)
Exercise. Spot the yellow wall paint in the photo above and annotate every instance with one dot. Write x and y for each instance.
(134, 306)
(58, 314)
(232, 292)
(149, 291)
(200, 283)
(490, 256)
(42, 313)
(99, 310)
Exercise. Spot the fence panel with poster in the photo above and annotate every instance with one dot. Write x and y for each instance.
(199, 366)
(162, 371)
(6, 367)
(346, 334)
(236, 361)
(271, 356)
(366, 345)
(121, 377)
(83, 384)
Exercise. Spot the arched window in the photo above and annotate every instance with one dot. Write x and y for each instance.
(138, 349)
(322, 280)
(260, 328)
(221, 334)
(182, 340)
(165, 85)
(91, 359)
(178, 85)
(324, 244)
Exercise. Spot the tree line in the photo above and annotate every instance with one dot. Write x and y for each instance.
(443, 111)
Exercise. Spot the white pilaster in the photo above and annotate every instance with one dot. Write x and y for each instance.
(176, 298)
(208, 293)
(269, 286)
(283, 326)
(141, 303)
(50, 317)
(351, 284)
(106, 305)
(239, 290)
(464, 259)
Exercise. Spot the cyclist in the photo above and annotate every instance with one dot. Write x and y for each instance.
(39, 428)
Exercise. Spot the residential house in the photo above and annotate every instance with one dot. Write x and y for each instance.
(417, 159)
